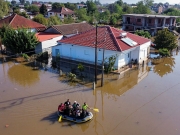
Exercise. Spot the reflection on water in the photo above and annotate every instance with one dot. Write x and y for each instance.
(22, 74)
(163, 66)
(125, 81)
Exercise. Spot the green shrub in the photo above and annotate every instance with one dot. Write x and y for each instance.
(164, 52)
(72, 77)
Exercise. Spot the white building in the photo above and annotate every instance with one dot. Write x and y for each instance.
(46, 41)
(126, 46)
(61, 12)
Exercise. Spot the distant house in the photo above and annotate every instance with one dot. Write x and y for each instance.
(46, 41)
(61, 12)
(17, 21)
(151, 23)
(79, 6)
(68, 30)
(126, 46)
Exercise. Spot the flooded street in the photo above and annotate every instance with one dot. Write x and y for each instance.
(141, 102)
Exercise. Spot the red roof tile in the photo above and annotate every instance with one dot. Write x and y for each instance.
(17, 21)
(46, 36)
(107, 36)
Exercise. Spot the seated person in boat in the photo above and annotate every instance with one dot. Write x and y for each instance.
(84, 109)
(78, 113)
(68, 106)
(61, 108)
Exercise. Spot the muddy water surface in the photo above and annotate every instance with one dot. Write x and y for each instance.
(140, 102)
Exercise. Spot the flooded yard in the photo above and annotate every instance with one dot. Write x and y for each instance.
(141, 102)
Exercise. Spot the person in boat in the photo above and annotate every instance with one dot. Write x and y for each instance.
(74, 105)
(84, 109)
(67, 107)
(78, 113)
(61, 108)
(67, 103)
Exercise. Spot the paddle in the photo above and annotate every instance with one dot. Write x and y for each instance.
(60, 118)
(95, 109)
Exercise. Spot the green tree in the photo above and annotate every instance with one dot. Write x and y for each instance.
(81, 14)
(23, 14)
(141, 8)
(165, 39)
(143, 33)
(57, 5)
(120, 3)
(127, 9)
(70, 6)
(109, 63)
(43, 9)
(148, 3)
(4, 8)
(68, 20)
(105, 17)
(40, 19)
(19, 40)
(117, 9)
(33, 8)
(91, 7)
(54, 20)
(113, 20)
(173, 12)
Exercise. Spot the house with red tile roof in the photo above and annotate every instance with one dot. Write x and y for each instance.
(68, 30)
(17, 21)
(115, 42)
(61, 12)
(46, 41)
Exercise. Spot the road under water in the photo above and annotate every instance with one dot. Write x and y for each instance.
(142, 102)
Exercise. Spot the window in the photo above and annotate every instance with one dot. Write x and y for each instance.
(149, 20)
(50, 13)
(57, 52)
(59, 14)
(159, 20)
(138, 20)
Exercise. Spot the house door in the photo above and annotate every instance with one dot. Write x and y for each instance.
(57, 52)
(72, 53)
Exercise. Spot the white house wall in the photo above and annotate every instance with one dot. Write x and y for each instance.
(87, 54)
(47, 44)
(61, 16)
(143, 51)
(82, 53)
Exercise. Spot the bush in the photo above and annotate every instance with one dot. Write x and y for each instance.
(80, 67)
(25, 56)
(72, 77)
(164, 52)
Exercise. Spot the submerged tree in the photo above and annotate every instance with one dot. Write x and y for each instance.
(165, 39)
(109, 63)
(19, 40)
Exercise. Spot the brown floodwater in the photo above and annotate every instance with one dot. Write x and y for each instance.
(140, 102)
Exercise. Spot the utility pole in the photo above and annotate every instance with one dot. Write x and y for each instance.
(104, 47)
(102, 77)
(96, 57)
